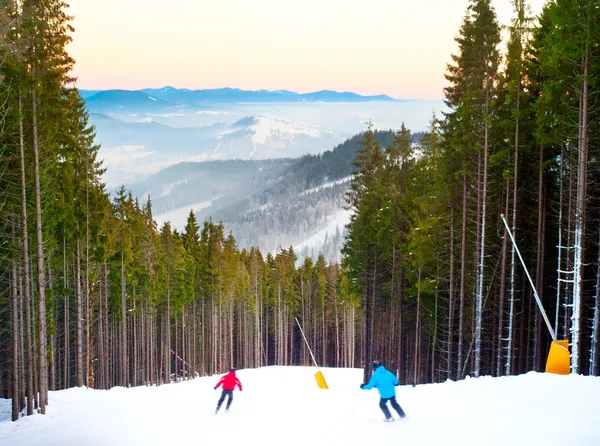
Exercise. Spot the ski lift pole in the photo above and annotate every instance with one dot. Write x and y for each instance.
(537, 298)
(319, 375)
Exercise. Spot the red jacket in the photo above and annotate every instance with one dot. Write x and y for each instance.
(229, 382)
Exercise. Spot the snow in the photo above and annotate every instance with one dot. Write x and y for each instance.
(167, 189)
(282, 405)
(178, 217)
(265, 128)
(166, 115)
(328, 184)
(210, 112)
(340, 219)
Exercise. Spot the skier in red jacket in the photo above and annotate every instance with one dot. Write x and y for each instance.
(228, 382)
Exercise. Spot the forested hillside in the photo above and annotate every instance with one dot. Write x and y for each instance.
(440, 280)
(94, 293)
(290, 205)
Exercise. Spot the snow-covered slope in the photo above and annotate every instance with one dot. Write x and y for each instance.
(283, 406)
(313, 245)
(178, 217)
(268, 137)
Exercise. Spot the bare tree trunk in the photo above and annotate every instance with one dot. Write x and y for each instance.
(22, 367)
(168, 331)
(100, 382)
(479, 297)
(417, 357)
(79, 350)
(368, 327)
(41, 282)
(450, 342)
(511, 312)
(435, 325)
(463, 278)
(123, 349)
(135, 344)
(35, 357)
(559, 269)
(580, 219)
(87, 272)
(107, 382)
(66, 320)
(400, 324)
(14, 359)
(502, 289)
(539, 283)
(52, 377)
(593, 370)
(26, 289)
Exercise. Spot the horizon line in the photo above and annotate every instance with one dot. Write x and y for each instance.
(261, 90)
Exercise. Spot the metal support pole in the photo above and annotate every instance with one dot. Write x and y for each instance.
(537, 298)
(311, 353)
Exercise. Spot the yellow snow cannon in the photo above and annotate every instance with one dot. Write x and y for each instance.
(559, 357)
(321, 383)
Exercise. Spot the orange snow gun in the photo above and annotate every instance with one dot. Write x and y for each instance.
(559, 358)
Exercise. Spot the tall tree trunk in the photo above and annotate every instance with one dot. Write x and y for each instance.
(559, 270)
(79, 349)
(463, 278)
(435, 324)
(88, 373)
(580, 219)
(100, 379)
(123, 349)
(135, 344)
(66, 318)
(22, 367)
(539, 283)
(479, 297)
(417, 357)
(26, 289)
(593, 370)
(511, 311)
(368, 326)
(450, 341)
(41, 282)
(107, 382)
(15, 394)
(502, 296)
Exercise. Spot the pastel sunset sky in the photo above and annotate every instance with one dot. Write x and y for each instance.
(393, 47)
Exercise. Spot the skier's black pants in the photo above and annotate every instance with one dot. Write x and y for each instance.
(225, 393)
(395, 405)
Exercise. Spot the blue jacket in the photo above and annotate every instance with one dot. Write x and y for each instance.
(384, 380)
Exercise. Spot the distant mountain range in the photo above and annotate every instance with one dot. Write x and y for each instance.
(148, 145)
(151, 98)
(256, 137)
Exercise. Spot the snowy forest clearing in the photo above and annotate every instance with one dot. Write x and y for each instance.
(282, 405)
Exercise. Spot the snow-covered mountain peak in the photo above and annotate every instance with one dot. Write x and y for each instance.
(265, 128)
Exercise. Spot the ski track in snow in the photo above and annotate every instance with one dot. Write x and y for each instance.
(283, 406)
(339, 219)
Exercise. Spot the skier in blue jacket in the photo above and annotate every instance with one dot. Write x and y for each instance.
(385, 381)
